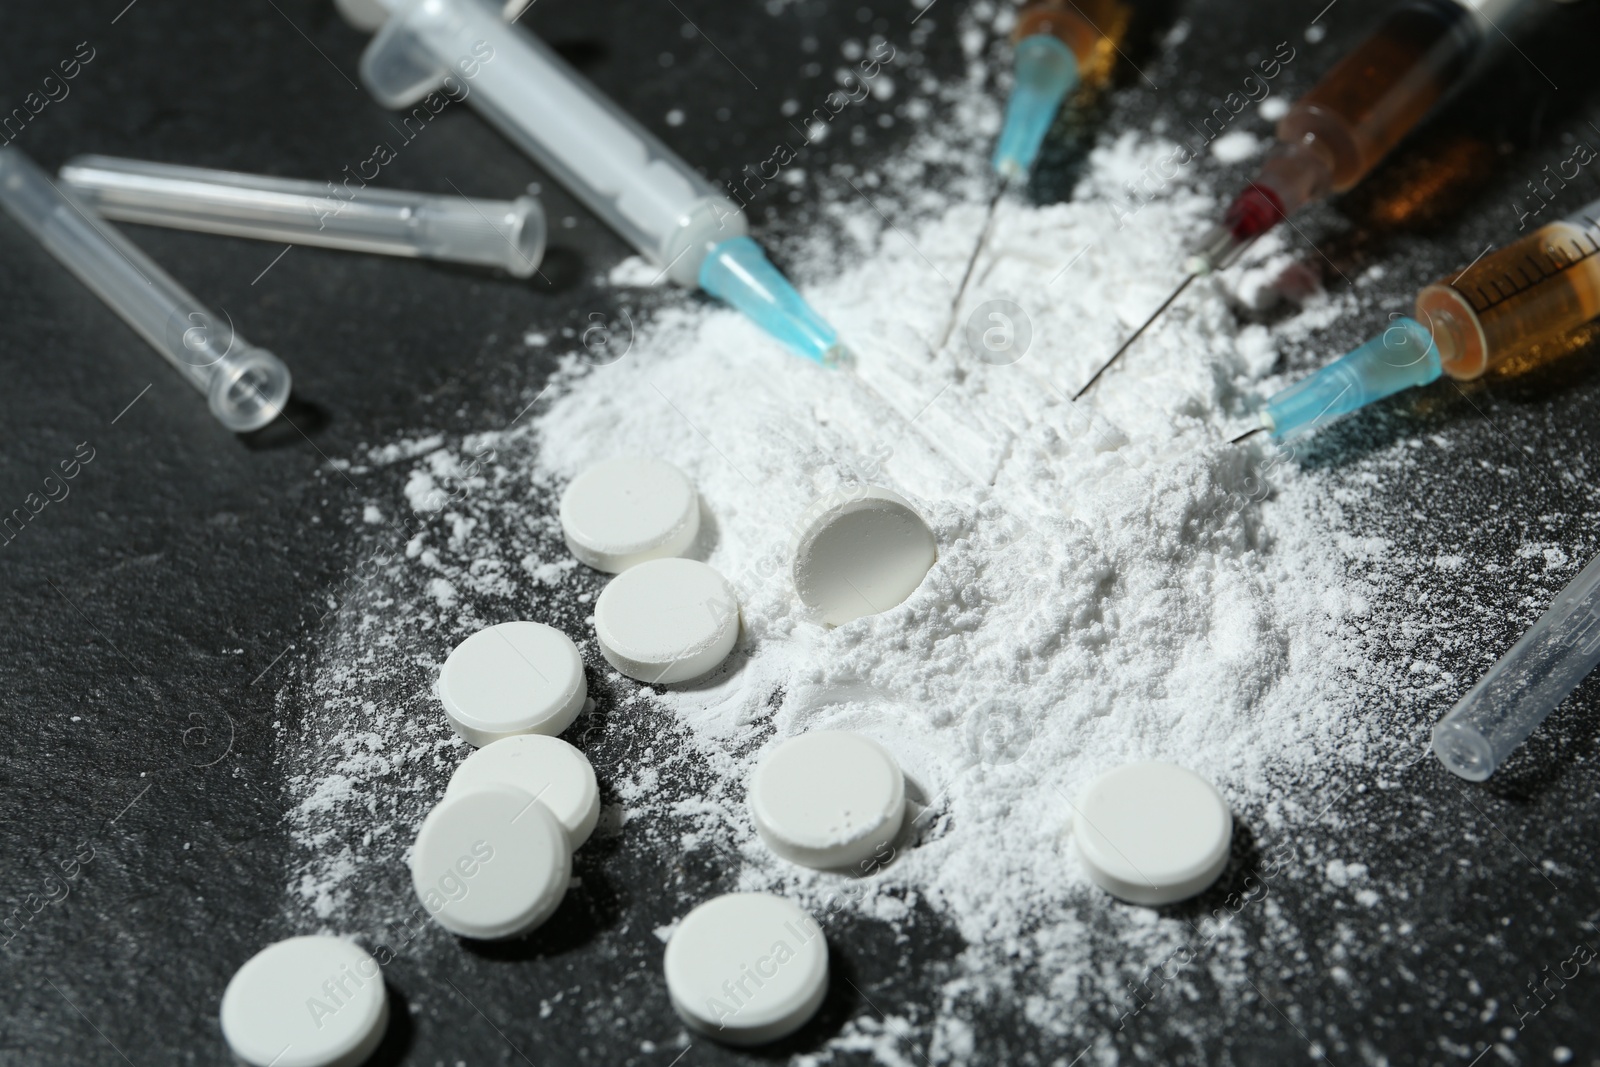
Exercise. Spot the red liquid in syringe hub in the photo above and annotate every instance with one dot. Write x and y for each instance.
(1336, 133)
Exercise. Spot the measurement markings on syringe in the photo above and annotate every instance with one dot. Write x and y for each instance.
(1556, 261)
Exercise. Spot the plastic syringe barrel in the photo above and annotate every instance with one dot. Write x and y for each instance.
(245, 386)
(1526, 684)
(1333, 136)
(494, 233)
(621, 171)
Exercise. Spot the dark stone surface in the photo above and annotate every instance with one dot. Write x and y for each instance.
(145, 612)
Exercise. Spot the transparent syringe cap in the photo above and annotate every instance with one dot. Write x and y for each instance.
(1464, 750)
(248, 389)
(528, 238)
(509, 235)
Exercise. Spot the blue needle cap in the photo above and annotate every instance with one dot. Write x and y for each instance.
(1399, 358)
(738, 271)
(1046, 71)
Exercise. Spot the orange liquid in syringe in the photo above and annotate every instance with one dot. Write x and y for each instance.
(1091, 28)
(1337, 132)
(1516, 298)
(1377, 93)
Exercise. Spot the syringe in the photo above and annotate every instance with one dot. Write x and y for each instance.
(245, 386)
(1058, 45)
(1527, 683)
(1335, 134)
(1511, 301)
(494, 233)
(676, 218)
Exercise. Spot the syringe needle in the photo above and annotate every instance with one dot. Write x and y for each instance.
(1248, 434)
(691, 229)
(972, 261)
(1136, 333)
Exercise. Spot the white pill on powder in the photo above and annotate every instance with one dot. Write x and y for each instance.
(1152, 833)
(624, 511)
(860, 553)
(513, 678)
(829, 799)
(490, 861)
(747, 968)
(306, 1002)
(668, 620)
(552, 771)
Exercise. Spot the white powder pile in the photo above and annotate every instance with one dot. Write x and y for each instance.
(1128, 587)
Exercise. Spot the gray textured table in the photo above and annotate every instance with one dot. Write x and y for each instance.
(143, 848)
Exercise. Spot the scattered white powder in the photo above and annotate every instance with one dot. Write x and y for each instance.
(1236, 146)
(636, 272)
(1274, 108)
(1128, 587)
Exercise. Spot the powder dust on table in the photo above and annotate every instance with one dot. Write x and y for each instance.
(1115, 583)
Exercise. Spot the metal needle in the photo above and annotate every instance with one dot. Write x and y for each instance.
(1126, 344)
(1248, 434)
(972, 261)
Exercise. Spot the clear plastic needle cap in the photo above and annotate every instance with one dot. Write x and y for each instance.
(1399, 358)
(1046, 71)
(738, 271)
(245, 386)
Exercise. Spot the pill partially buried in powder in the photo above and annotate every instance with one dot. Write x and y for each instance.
(624, 511)
(514, 678)
(747, 968)
(1152, 833)
(828, 799)
(668, 620)
(490, 861)
(305, 1002)
(860, 553)
(546, 767)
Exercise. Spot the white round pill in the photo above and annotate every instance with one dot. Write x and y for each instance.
(1153, 833)
(829, 799)
(860, 553)
(490, 862)
(546, 768)
(668, 620)
(621, 512)
(514, 678)
(306, 1002)
(747, 968)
